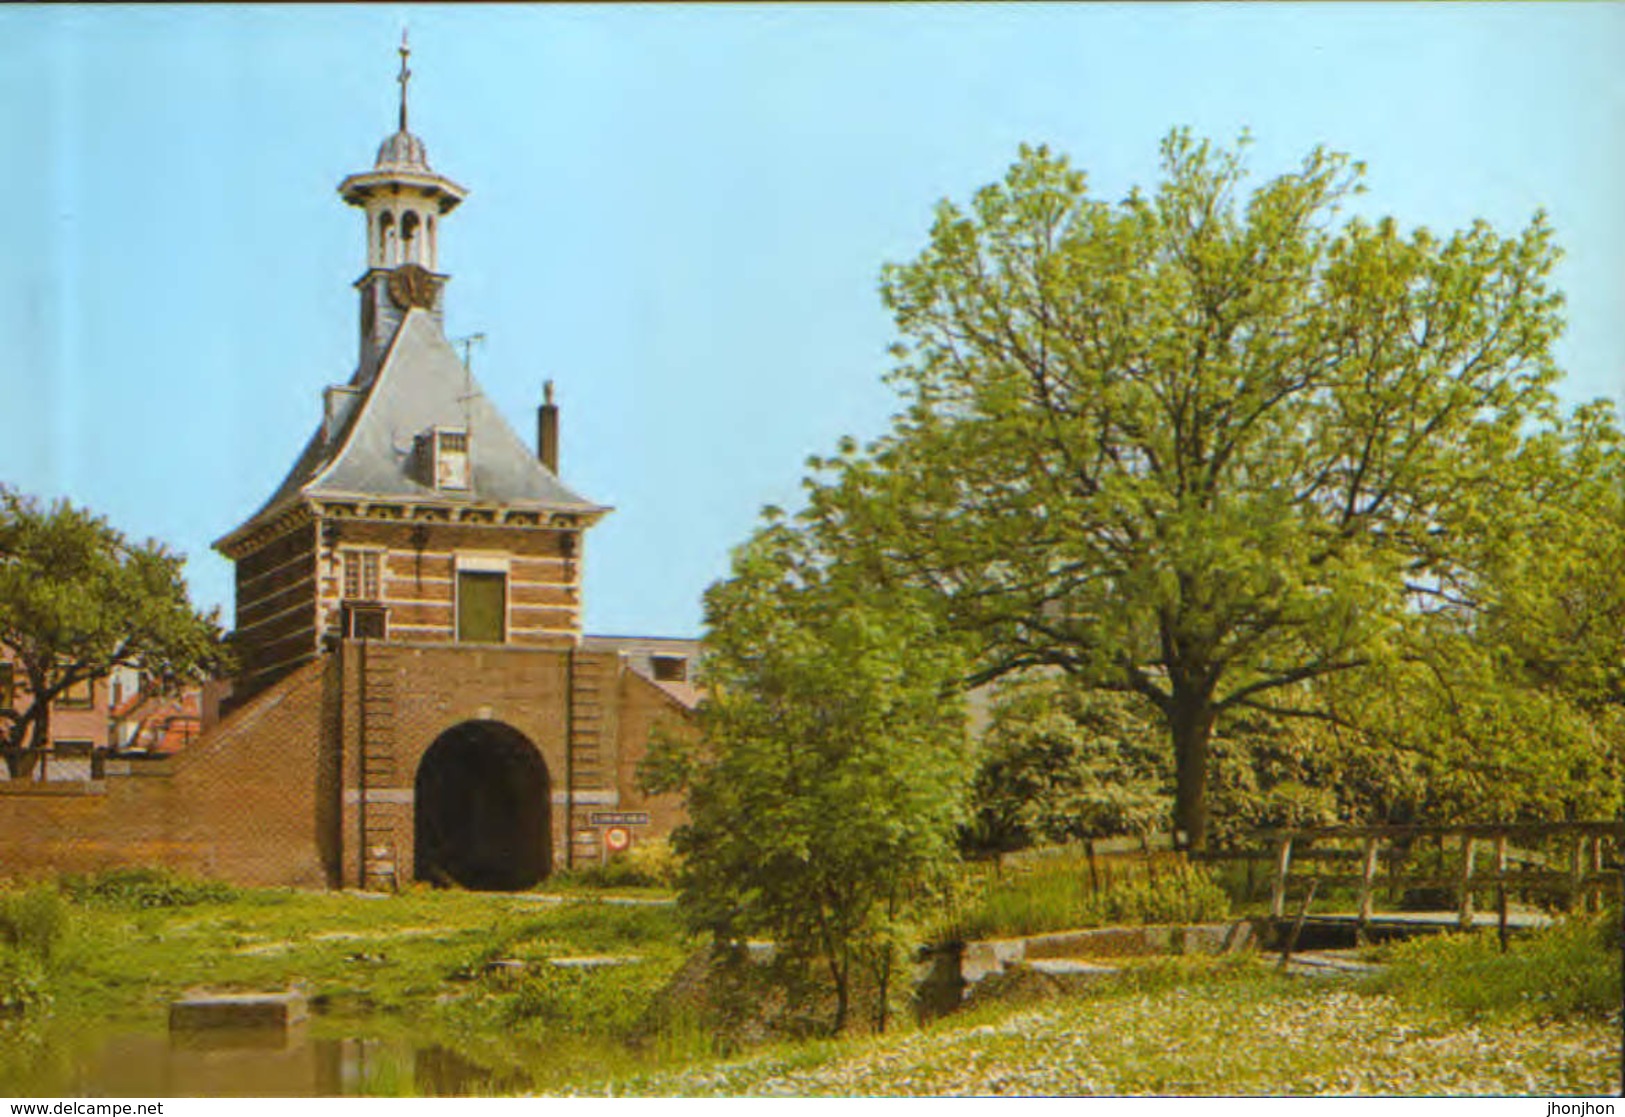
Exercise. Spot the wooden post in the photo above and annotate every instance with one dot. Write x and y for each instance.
(1283, 860)
(1577, 870)
(1501, 889)
(1368, 873)
(1466, 882)
(1094, 869)
(1297, 924)
(1396, 849)
(1594, 888)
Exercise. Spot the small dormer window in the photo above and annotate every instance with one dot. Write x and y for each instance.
(450, 459)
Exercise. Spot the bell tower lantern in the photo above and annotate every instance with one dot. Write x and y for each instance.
(404, 201)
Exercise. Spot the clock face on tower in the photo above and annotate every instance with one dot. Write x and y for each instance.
(411, 285)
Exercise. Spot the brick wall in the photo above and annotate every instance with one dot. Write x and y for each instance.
(436, 687)
(253, 793)
(645, 706)
(239, 805)
(417, 576)
(306, 785)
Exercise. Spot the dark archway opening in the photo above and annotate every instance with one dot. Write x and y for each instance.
(482, 816)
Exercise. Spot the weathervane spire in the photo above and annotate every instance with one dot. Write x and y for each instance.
(405, 75)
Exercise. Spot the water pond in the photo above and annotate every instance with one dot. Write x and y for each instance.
(307, 1060)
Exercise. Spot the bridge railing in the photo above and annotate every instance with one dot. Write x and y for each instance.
(1574, 863)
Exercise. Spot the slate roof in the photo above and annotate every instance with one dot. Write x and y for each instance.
(420, 385)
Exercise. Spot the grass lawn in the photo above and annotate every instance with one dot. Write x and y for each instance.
(350, 954)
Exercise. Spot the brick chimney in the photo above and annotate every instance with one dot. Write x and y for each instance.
(547, 430)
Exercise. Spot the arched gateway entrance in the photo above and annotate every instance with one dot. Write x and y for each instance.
(481, 815)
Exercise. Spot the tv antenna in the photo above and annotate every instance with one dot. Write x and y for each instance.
(467, 345)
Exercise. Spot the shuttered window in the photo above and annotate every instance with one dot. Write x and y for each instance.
(482, 601)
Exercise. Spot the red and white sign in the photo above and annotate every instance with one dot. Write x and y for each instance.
(617, 838)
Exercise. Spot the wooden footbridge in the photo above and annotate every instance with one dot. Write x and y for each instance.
(1519, 870)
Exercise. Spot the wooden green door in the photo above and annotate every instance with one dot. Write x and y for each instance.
(482, 601)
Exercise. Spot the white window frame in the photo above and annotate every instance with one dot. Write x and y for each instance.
(380, 554)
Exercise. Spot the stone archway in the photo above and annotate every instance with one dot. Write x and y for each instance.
(482, 810)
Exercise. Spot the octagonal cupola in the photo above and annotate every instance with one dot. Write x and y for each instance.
(404, 200)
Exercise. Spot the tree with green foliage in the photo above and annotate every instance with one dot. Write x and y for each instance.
(1270, 771)
(1213, 448)
(1060, 762)
(77, 600)
(1510, 704)
(1552, 598)
(828, 779)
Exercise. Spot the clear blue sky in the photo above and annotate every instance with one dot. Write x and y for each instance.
(678, 213)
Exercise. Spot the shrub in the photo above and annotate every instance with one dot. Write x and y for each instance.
(648, 864)
(34, 921)
(609, 1000)
(145, 888)
(23, 984)
(1572, 968)
(657, 861)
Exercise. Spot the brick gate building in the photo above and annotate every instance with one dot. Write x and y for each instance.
(416, 699)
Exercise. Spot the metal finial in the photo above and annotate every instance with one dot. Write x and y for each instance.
(547, 392)
(405, 75)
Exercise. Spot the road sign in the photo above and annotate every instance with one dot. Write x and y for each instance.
(617, 838)
(619, 818)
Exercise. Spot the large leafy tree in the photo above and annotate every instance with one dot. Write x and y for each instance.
(829, 774)
(77, 599)
(1209, 446)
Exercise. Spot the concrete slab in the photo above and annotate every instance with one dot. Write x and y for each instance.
(593, 961)
(1058, 967)
(1102, 942)
(1332, 962)
(1214, 938)
(237, 1010)
(990, 956)
(1519, 920)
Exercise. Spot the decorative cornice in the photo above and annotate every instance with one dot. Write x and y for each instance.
(470, 515)
(445, 193)
(251, 537)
